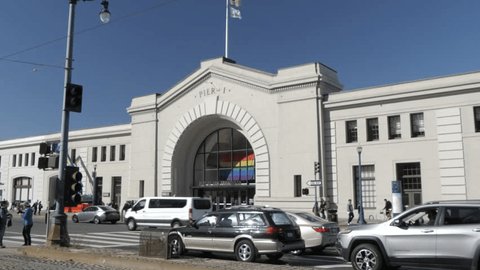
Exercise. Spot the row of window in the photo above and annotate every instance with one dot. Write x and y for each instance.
(28, 159)
(417, 128)
(112, 153)
(409, 174)
(23, 160)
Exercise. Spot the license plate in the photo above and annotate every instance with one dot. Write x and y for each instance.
(289, 234)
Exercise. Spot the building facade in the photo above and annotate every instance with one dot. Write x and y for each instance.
(243, 136)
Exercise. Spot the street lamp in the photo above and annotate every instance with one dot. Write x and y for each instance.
(361, 217)
(58, 234)
(105, 14)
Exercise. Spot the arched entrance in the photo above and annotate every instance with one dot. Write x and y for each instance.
(22, 189)
(224, 169)
(178, 162)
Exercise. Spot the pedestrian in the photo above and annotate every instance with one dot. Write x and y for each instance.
(315, 209)
(125, 208)
(27, 217)
(323, 205)
(40, 206)
(388, 209)
(4, 217)
(350, 211)
(35, 207)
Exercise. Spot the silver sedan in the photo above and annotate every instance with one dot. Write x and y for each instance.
(97, 214)
(317, 232)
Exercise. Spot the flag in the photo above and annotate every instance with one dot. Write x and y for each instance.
(235, 13)
(235, 3)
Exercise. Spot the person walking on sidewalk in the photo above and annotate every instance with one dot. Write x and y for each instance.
(3, 220)
(350, 211)
(27, 217)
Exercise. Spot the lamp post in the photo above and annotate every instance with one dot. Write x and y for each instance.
(58, 234)
(361, 217)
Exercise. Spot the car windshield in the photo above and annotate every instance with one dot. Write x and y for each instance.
(280, 218)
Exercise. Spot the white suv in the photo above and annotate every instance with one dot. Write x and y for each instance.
(443, 234)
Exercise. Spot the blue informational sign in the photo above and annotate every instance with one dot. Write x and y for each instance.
(396, 187)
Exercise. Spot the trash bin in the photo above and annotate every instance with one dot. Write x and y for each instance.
(332, 215)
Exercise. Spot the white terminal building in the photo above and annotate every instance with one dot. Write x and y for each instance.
(244, 136)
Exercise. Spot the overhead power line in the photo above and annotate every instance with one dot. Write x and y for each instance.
(7, 58)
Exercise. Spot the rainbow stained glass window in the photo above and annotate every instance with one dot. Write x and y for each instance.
(224, 157)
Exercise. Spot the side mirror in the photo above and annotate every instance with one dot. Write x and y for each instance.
(400, 224)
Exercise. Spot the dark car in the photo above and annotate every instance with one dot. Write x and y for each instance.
(246, 231)
(97, 214)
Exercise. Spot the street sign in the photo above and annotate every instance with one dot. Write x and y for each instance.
(314, 183)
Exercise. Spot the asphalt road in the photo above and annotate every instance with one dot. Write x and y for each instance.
(107, 232)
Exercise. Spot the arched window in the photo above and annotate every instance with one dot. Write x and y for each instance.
(225, 157)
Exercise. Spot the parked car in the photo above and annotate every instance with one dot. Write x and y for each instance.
(444, 234)
(97, 214)
(166, 211)
(317, 232)
(245, 231)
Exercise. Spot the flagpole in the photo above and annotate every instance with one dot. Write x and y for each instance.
(226, 28)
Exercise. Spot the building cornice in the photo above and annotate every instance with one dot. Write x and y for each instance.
(75, 135)
(286, 79)
(451, 85)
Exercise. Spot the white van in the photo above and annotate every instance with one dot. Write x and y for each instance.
(166, 211)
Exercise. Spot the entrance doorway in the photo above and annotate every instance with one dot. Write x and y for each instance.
(116, 191)
(410, 175)
(224, 169)
(227, 197)
(22, 187)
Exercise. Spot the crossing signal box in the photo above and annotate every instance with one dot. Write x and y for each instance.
(317, 167)
(48, 159)
(72, 195)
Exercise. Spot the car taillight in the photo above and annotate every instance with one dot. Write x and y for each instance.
(321, 229)
(273, 230)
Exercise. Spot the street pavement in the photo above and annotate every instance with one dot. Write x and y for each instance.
(119, 250)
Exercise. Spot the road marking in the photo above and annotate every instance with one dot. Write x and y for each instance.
(94, 240)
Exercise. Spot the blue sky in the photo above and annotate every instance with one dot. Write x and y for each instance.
(150, 45)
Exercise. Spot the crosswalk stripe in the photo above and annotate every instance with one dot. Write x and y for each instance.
(94, 240)
(86, 236)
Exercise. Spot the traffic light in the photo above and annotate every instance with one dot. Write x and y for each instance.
(317, 167)
(73, 97)
(72, 194)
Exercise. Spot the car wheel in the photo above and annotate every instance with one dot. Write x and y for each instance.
(297, 252)
(176, 224)
(131, 225)
(366, 257)
(96, 220)
(245, 251)
(275, 256)
(75, 219)
(176, 246)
